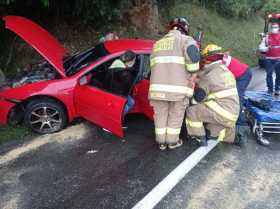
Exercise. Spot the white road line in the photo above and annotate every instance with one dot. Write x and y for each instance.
(170, 181)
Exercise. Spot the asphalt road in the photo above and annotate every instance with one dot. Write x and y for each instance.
(84, 168)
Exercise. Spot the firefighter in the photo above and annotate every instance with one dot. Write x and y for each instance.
(217, 104)
(174, 62)
(241, 72)
(270, 45)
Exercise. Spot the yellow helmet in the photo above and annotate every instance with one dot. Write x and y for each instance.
(211, 49)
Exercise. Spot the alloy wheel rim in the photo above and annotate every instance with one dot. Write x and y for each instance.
(45, 119)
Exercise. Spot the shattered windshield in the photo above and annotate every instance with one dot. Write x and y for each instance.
(75, 63)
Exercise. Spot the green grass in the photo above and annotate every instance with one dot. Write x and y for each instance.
(240, 37)
(9, 133)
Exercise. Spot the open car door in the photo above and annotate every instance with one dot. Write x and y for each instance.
(141, 89)
(140, 92)
(100, 107)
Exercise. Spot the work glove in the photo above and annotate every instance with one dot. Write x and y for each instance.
(199, 94)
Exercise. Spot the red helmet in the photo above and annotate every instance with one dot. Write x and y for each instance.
(181, 22)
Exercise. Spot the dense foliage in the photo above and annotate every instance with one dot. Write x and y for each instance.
(242, 8)
(92, 10)
(272, 6)
(86, 10)
(97, 14)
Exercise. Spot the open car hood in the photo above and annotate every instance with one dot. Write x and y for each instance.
(39, 39)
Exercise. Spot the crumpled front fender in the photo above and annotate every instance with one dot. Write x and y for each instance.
(5, 108)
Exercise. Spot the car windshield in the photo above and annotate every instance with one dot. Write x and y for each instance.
(75, 63)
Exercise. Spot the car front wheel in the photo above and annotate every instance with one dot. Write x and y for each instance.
(45, 116)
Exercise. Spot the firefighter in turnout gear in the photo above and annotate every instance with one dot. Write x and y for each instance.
(174, 63)
(242, 74)
(217, 105)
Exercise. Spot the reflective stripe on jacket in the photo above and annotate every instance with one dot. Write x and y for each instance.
(171, 68)
(211, 103)
(223, 94)
(191, 67)
(220, 86)
(221, 111)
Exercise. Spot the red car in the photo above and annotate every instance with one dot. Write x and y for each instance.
(49, 95)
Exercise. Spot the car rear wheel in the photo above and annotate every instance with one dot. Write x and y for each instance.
(45, 116)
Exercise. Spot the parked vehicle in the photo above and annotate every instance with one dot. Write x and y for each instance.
(49, 95)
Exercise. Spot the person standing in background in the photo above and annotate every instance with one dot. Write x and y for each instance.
(270, 46)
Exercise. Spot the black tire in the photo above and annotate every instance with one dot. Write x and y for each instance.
(45, 116)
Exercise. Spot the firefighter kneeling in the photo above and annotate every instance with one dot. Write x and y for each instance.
(217, 105)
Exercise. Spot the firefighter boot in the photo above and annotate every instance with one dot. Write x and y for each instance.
(239, 140)
(208, 135)
(162, 146)
(239, 137)
(178, 144)
(202, 141)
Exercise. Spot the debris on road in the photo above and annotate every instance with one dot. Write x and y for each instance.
(92, 151)
(71, 134)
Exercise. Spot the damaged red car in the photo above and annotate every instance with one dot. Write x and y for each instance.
(55, 92)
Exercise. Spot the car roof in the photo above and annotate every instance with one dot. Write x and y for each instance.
(128, 44)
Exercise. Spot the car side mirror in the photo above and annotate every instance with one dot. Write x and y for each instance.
(83, 80)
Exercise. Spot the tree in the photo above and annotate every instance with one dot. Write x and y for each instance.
(7, 2)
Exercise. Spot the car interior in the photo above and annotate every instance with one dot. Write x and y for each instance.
(100, 74)
(146, 67)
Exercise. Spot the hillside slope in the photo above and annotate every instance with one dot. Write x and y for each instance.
(240, 37)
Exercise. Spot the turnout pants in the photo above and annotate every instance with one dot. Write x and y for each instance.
(168, 119)
(200, 118)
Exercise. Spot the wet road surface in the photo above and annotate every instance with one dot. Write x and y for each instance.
(83, 167)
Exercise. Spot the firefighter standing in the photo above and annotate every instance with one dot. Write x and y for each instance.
(215, 115)
(270, 45)
(174, 61)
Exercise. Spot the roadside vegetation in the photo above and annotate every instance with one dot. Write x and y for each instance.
(238, 36)
(8, 133)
